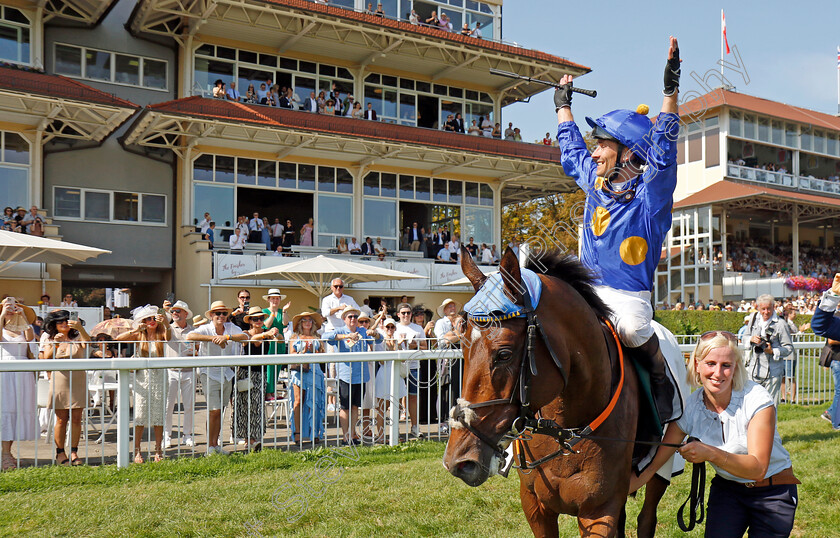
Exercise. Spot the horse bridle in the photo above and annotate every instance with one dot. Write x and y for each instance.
(527, 423)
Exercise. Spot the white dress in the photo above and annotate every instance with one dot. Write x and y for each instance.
(149, 393)
(18, 395)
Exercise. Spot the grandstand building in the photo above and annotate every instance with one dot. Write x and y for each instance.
(110, 127)
(759, 181)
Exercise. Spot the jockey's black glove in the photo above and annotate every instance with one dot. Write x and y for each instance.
(563, 96)
(672, 73)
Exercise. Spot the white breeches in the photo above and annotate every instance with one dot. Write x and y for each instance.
(632, 314)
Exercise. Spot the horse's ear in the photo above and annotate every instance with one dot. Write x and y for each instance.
(512, 277)
(471, 270)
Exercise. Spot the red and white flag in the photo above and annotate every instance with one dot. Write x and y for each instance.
(723, 29)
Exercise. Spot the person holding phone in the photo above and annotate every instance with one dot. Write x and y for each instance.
(19, 404)
(237, 317)
(66, 339)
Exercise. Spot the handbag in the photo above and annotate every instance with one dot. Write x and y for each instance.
(43, 393)
(403, 369)
(829, 354)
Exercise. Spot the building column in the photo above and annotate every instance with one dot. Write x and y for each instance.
(37, 179)
(795, 238)
(186, 77)
(38, 39)
(723, 218)
(358, 202)
(497, 216)
(186, 188)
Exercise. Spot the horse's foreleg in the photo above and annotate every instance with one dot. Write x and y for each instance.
(604, 520)
(654, 490)
(543, 521)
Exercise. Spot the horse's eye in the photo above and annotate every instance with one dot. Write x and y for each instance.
(503, 355)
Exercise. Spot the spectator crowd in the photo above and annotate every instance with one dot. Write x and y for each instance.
(21, 221)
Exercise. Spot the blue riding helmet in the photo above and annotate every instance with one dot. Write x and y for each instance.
(625, 127)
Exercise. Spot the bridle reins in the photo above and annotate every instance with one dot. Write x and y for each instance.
(527, 424)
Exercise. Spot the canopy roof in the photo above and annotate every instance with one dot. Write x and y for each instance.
(16, 248)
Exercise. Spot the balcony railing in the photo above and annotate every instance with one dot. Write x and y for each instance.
(783, 179)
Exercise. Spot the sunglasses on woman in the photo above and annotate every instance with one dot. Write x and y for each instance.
(712, 334)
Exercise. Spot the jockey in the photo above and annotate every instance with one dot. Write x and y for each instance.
(629, 182)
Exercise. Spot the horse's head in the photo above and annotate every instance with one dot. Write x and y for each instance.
(493, 347)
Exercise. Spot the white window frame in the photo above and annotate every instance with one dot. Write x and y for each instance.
(20, 26)
(111, 220)
(112, 67)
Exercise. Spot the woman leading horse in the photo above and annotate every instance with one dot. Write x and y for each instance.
(534, 349)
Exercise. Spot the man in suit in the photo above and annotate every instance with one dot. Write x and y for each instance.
(415, 235)
(367, 247)
(285, 102)
(311, 103)
(459, 123)
(370, 113)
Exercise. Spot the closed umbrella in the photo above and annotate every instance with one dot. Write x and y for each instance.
(112, 327)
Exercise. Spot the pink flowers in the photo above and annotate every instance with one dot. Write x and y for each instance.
(807, 283)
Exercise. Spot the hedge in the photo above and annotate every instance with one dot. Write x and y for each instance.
(700, 321)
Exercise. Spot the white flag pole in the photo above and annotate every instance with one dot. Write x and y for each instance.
(721, 45)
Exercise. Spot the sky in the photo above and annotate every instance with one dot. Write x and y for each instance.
(788, 51)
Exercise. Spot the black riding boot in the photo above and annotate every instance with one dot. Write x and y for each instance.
(650, 356)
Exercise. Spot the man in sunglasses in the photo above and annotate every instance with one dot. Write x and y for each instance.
(219, 337)
(333, 304)
(629, 182)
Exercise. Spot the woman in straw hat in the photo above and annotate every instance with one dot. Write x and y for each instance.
(66, 339)
(150, 332)
(17, 389)
(382, 385)
(308, 388)
(248, 420)
(274, 320)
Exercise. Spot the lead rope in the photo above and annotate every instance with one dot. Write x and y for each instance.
(695, 500)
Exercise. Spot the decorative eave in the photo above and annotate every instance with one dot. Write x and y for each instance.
(355, 38)
(59, 107)
(526, 170)
(86, 12)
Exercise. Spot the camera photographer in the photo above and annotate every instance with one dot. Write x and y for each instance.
(768, 343)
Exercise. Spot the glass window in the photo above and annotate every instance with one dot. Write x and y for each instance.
(749, 126)
(486, 194)
(326, 179)
(778, 133)
(16, 149)
(407, 187)
(268, 60)
(471, 190)
(287, 175)
(832, 148)
(440, 194)
(478, 224)
(224, 169)
(380, 218)
(790, 135)
(422, 188)
(127, 69)
(226, 53)
(246, 171)
(371, 184)
(68, 60)
(388, 183)
(408, 108)
(735, 125)
(98, 206)
(215, 199)
(208, 71)
(126, 206)
(266, 171)
(389, 101)
(373, 95)
(14, 186)
(306, 177)
(98, 65)
(711, 122)
(764, 129)
(203, 168)
(343, 181)
(335, 216)
(248, 56)
(456, 195)
(807, 139)
(14, 43)
(67, 201)
(819, 141)
(307, 67)
(154, 208)
(154, 74)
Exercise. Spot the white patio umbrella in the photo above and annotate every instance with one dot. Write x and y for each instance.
(316, 274)
(17, 248)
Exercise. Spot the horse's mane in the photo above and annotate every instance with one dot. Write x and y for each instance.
(570, 270)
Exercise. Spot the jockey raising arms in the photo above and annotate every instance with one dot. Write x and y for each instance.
(629, 182)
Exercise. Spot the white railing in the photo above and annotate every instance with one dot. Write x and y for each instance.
(783, 179)
(129, 375)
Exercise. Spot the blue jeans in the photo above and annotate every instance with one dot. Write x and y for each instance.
(834, 410)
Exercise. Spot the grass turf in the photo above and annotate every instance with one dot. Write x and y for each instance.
(380, 491)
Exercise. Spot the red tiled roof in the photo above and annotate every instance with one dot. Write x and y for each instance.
(720, 97)
(434, 32)
(724, 191)
(219, 109)
(56, 86)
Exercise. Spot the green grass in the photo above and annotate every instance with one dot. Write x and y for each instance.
(382, 491)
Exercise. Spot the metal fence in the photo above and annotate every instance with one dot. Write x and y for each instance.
(201, 402)
(130, 402)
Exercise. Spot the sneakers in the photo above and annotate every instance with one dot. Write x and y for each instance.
(415, 432)
(216, 450)
(443, 428)
(826, 416)
(167, 441)
(189, 441)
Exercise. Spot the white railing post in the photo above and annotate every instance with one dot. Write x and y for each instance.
(394, 407)
(123, 432)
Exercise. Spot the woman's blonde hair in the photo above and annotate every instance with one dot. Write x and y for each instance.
(158, 337)
(704, 347)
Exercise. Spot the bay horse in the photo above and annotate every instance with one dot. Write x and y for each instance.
(550, 363)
